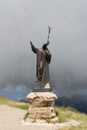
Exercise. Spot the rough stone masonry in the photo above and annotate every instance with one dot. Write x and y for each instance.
(42, 106)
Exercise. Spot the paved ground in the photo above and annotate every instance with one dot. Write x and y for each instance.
(12, 119)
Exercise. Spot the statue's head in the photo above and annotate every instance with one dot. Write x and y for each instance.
(45, 46)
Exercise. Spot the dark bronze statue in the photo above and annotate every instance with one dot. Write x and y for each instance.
(42, 65)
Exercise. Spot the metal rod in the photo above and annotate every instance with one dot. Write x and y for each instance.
(49, 30)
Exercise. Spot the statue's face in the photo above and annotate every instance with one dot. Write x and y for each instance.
(40, 49)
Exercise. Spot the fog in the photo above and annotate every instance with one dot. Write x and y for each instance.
(22, 21)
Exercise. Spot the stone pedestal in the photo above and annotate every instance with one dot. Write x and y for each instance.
(42, 106)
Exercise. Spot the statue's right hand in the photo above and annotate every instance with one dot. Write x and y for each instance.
(31, 43)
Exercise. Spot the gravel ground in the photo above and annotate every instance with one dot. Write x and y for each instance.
(12, 119)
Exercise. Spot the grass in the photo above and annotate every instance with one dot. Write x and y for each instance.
(64, 113)
(26, 116)
(11, 103)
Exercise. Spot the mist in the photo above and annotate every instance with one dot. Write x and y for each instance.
(23, 21)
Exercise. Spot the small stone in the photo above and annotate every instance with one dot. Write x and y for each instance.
(54, 120)
(47, 85)
(31, 95)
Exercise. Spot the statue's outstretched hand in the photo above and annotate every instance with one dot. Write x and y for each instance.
(34, 49)
(31, 43)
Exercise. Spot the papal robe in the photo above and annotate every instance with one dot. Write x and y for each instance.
(42, 65)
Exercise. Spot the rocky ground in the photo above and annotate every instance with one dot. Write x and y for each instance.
(12, 119)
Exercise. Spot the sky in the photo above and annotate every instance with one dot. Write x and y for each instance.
(22, 21)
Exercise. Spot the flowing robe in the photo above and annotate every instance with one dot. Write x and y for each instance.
(42, 65)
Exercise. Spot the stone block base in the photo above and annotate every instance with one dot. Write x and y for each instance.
(42, 106)
(42, 112)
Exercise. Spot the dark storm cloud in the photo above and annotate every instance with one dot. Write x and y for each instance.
(22, 21)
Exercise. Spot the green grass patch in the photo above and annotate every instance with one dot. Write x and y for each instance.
(12, 103)
(26, 116)
(66, 113)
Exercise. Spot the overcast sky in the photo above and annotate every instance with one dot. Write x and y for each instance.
(25, 20)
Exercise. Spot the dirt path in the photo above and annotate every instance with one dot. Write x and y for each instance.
(12, 119)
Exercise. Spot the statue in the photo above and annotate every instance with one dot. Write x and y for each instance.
(42, 99)
(42, 63)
